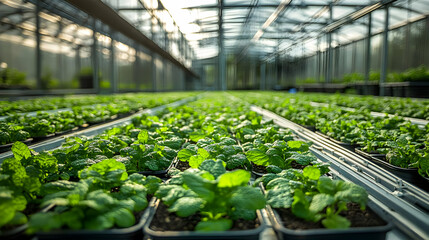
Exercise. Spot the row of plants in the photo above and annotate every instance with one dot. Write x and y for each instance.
(132, 100)
(406, 107)
(22, 127)
(402, 143)
(94, 183)
(418, 74)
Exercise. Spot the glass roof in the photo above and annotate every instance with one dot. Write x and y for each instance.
(266, 28)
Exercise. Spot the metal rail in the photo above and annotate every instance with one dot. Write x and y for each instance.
(404, 204)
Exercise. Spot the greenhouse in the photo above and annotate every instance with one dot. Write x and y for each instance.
(214, 119)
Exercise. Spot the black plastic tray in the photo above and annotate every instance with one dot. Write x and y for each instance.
(309, 127)
(7, 147)
(19, 232)
(42, 138)
(348, 146)
(252, 234)
(132, 233)
(66, 131)
(410, 175)
(367, 233)
(369, 155)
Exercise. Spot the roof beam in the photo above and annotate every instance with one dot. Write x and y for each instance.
(293, 5)
(109, 16)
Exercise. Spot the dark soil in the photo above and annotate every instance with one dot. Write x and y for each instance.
(263, 169)
(259, 168)
(358, 218)
(296, 165)
(166, 221)
(182, 166)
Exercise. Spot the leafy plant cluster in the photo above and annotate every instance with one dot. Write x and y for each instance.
(92, 182)
(219, 196)
(133, 149)
(312, 196)
(17, 126)
(104, 197)
(403, 143)
(133, 100)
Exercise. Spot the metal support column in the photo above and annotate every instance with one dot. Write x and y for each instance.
(263, 77)
(152, 35)
(95, 80)
(38, 50)
(136, 66)
(385, 53)
(318, 60)
(368, 53)
(113, 76)
(154, 72)
(221, 56)
(328, 77)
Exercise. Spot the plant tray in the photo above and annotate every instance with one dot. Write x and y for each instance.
(6, 147)
(410, 175)
(42, 138)
(252, 234)
(369, 155)
(19, 232)
(358, 233)
(132, 233)
(348, 146)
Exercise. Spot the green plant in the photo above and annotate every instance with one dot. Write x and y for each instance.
(105, 197)
(314, 197)
(219, 196)
(281, 154)
(12, 76)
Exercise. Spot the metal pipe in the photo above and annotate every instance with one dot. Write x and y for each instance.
(368, 53)
(385, 53)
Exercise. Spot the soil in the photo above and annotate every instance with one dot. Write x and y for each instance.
(259, 169)
(182, 166)
(166, 221)
(263, 169)
(357, 217)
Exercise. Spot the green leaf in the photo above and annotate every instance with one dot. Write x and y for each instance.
(242, 213)
(235, 178)
(301, 206)
(311, 172)
(214, 225)
(20, 151)
(186, 206)
(258, 157)
(106, 170)
(280, 197)
(350, 192)
(123, 217)
(195, 161)
(336, 221)
(248, 198)
(143, 136)
(44, 222)
(185, 154)
(326, 185)
(216, 168)
(273, 169)
(320, 201)
(203, 153)
(195, 136)
(201, 186)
